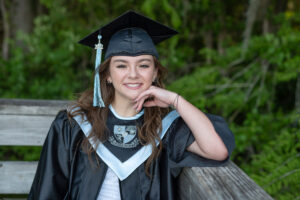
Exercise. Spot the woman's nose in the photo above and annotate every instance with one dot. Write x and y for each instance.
(133, 73)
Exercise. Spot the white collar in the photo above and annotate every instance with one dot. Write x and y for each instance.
(125, 118)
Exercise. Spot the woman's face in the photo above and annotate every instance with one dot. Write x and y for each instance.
(131, 75)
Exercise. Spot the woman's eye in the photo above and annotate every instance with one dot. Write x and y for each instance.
(121, 66)
(144, 66)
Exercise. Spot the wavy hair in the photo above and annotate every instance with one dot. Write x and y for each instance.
(97, 116)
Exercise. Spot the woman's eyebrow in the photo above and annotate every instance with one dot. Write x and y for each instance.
(120, 60)
(144, 59)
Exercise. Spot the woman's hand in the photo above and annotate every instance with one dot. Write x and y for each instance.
(155, 96)
(207, 142)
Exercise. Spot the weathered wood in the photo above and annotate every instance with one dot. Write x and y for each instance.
(24, 130)
(29, 110)
(215, 183)
(16, 177)
(26, 122)
(33, 102)
(218, 183)
(31, 107)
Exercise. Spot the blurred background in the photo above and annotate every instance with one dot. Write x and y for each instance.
(237, 58)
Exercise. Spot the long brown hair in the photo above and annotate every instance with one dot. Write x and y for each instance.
(97, 116)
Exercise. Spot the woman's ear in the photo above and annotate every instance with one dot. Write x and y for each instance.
(108, 77)
(108, 80)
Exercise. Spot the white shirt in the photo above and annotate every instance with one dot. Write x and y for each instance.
(110, 189)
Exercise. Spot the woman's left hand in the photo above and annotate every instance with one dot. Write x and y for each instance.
(155, 96)
(207, 142)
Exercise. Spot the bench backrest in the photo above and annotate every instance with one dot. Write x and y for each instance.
(26, 123)
(23, 123)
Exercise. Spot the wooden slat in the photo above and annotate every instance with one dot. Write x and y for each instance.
(26, 122)
(218, 183)
(214, 183)
(29, 110)
(31, 107)
(16, 177)
(33, 102)
(24, 130)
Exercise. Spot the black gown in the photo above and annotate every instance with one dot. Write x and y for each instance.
(65, 171)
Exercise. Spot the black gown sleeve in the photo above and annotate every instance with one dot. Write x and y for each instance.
(180, 137)
(51, 178)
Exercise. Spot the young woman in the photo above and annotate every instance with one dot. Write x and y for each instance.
(124, 142)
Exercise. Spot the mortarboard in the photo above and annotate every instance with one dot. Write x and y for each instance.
(130, 34)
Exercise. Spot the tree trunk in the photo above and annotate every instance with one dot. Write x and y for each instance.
(266, 26)
(264, 17)
(5, 21)
(221, 35)
(251, 16)
(22, 18)
(208, 42)
(222, 30)
(208, 39)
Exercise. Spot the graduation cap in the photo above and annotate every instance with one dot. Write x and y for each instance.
(130, 34)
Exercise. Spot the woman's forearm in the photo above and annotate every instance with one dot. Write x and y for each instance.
(208, 143)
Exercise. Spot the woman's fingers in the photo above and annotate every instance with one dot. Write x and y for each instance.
(142, 97)
(154, 96)
(139, 103)
(144, 93)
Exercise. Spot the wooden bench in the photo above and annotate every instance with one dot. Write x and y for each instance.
(26, 123)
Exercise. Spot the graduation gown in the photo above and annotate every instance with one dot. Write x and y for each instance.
(65, 171)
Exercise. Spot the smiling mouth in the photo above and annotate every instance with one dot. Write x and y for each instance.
(133, 85)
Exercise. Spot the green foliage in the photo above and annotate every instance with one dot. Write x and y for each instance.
(20, 153)
(47, 68)
(255, 93)
(277, 167)
(244, 93)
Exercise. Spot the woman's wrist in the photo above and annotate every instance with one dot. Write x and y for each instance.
(174, 103)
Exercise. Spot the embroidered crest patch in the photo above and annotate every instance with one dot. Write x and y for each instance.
(124, 136)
